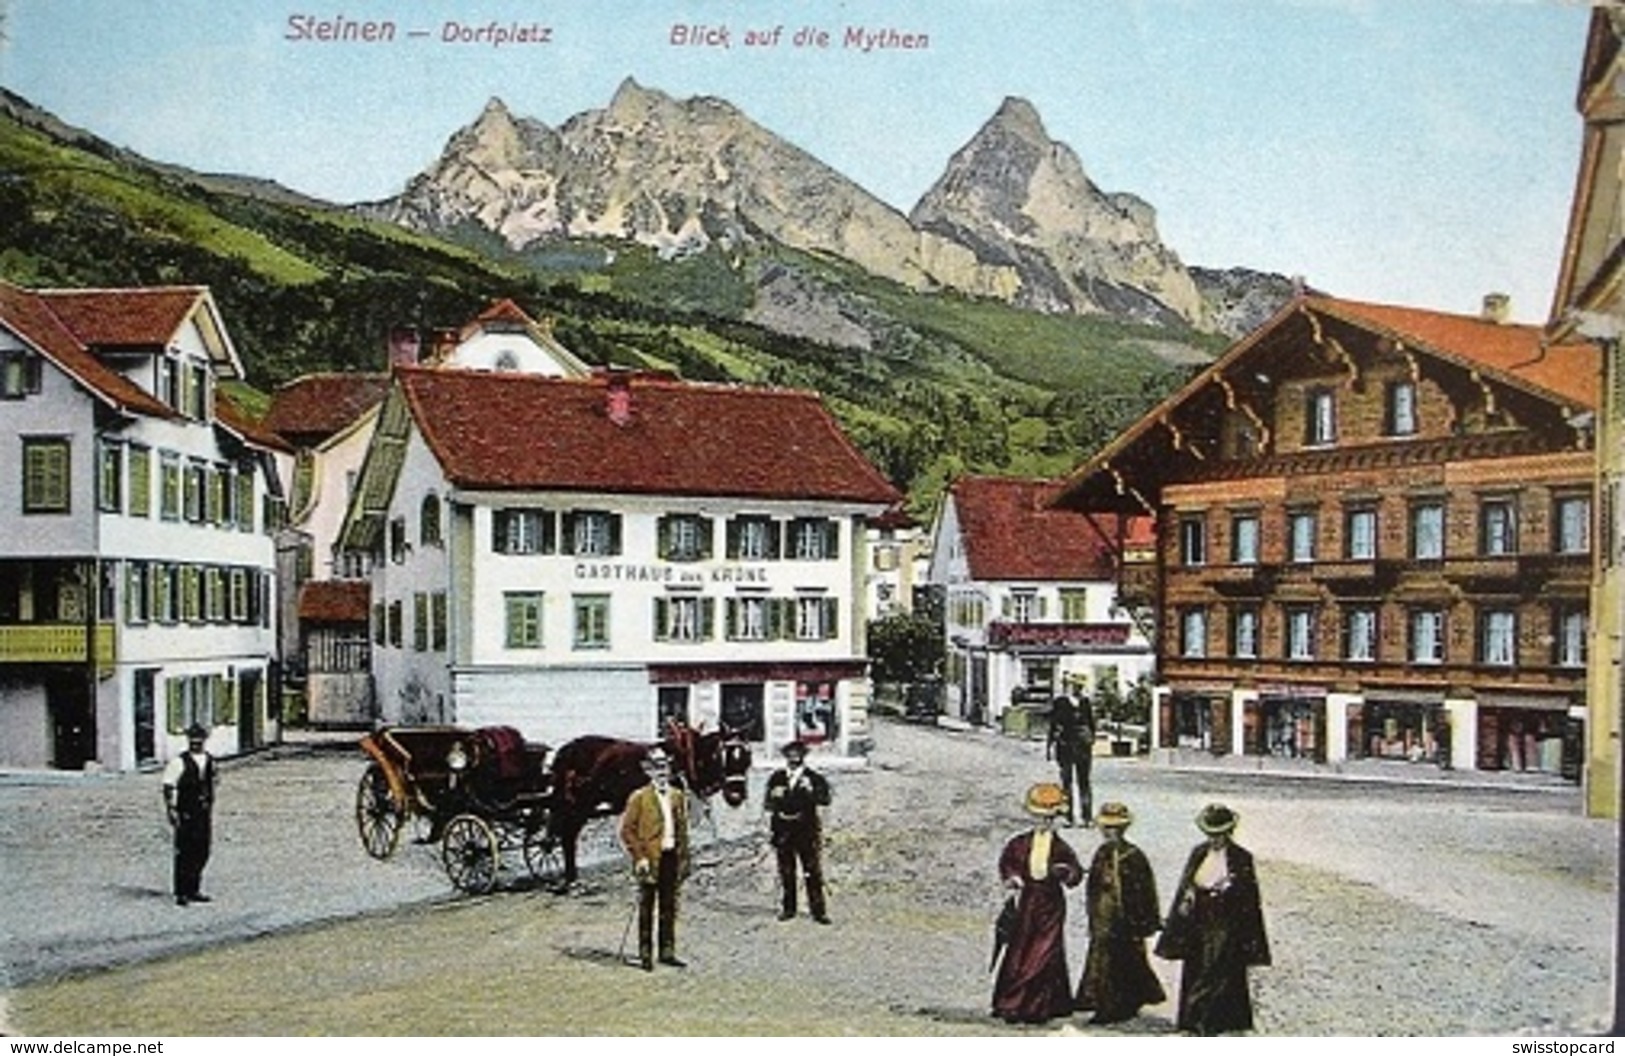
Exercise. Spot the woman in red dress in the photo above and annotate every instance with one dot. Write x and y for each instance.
(1037, 866)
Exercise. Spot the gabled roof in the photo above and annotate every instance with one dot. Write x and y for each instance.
(335, 601)
(1566, 377)
(509, 432)
(504, 314)
(238, 422)
(144, 317)
(35, 319)
(312, 408)
(1010, 530)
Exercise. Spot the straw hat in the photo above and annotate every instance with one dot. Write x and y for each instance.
(1216, 818)
(1046, 799)
(1114, 816)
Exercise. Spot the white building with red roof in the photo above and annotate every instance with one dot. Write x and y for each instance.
(1030, 596)
(575, 556)
(137, 593)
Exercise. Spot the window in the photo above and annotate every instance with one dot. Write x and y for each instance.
(1360, 634)
(197, 395)
(1244, 633)
(420, 621)
(524, 619)
(593, 533)
(1399, 414)
(225, 484)
(140, 481)
(239, 595)
(397, 539)
(1301, 535)
(815, 618)
(163, 593)
(437, 621)
(522, 532)
(191, 594)
(137, 593)
(1192, 541)
(429, 521)
(1497, 527)
(753, 539)
(1572, 524)
(1300, 633)
(815, 539)
(1427, 531)
(683, 618)
(683, 537)
(215, 594)
(47, 474)
(1427, 636)
(19, 375)
(1244, 539)
(1360, 542)
(1320, 418)
(1024, 606)
(244, 484)
(1570, 625)
(168, 387)
(591, 621)
(192, 484)
(169, 486)
(1193, 633)
(1074, 605)
(1498, 638)
(110, 476)
(749, 619)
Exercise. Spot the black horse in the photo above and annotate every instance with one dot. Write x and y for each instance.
(593, 777)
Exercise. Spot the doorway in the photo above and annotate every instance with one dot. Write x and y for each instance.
(73, 719)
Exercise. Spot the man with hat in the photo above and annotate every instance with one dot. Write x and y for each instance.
(189, 803)
(1036, 866)
(795, 791)
(1216, 926)
(654, 830)
(1121, 899)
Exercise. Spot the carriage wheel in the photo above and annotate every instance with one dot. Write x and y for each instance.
(544, 856)
(470, 852)
(378, 818)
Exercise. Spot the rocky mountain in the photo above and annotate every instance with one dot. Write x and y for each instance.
(1014, 217)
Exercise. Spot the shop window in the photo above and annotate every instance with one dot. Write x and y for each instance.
(817, 718)
(671, 705)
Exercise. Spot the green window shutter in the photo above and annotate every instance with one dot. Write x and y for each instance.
(662, 607)
(499, 531)
(777, 610)
(379, 627)
(730, 539)
(225, 698)
(832, 540)
(549, 531)
(174, 706)
(708, 618)
(832, 614)
(708, 535)
(663, 532)
(614, 534)
(420, 621)
(437, 619)
(567, 532)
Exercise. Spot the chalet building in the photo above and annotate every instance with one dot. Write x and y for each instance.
(329, 420)
(1590, 302)
(1030, 597)
(137, 593)
(573, 556)
(1374, 539)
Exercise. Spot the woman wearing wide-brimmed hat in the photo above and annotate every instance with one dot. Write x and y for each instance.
(1121, 898)
(1216, 926)
(1037, 866)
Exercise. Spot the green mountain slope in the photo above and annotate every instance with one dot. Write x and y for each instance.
(942, 384)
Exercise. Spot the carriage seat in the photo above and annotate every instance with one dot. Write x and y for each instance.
(511, 758)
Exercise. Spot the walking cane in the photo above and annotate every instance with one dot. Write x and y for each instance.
(620, 955)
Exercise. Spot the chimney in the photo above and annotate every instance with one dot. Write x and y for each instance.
(1497, 308)
(618, 397)
(404, 346)
(441, 343)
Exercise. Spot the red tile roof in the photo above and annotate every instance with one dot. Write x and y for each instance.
(36, 320)
(1011, 531)
(1570, 372)
(503, 311)
(136, 317)
(234, 418)
(519, 431)
(335, 601)
(312, 408)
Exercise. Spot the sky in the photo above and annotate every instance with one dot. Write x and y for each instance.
(1418, 152)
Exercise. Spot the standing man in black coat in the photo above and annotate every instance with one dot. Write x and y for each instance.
(1071, 743)
(795, 791)
(189, 802)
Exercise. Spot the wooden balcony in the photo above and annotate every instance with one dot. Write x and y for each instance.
(55, 643)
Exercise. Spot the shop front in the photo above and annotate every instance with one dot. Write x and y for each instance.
(1286, 724)
(1529, 737)
(1195, 721)
(1412, 731)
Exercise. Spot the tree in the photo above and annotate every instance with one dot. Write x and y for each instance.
(906, 647)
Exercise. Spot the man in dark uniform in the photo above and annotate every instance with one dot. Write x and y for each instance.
(795, 791)
(1071, 743)
(189, 802)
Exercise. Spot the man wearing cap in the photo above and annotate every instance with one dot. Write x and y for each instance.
(1216, 926)
(654, 830)
(795, 791)
(189, 803)
(1121, 899)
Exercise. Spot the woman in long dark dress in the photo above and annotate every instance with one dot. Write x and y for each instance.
(1033, 985)
(1216, 926)
(1121, 897)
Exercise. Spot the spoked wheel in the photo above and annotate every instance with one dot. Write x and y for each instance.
(543, 855)
(378, 818)
(469, 850)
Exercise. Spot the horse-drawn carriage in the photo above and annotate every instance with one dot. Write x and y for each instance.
(487, 794)
(481, 794)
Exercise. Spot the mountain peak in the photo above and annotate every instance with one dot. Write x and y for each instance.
(1018, 116)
